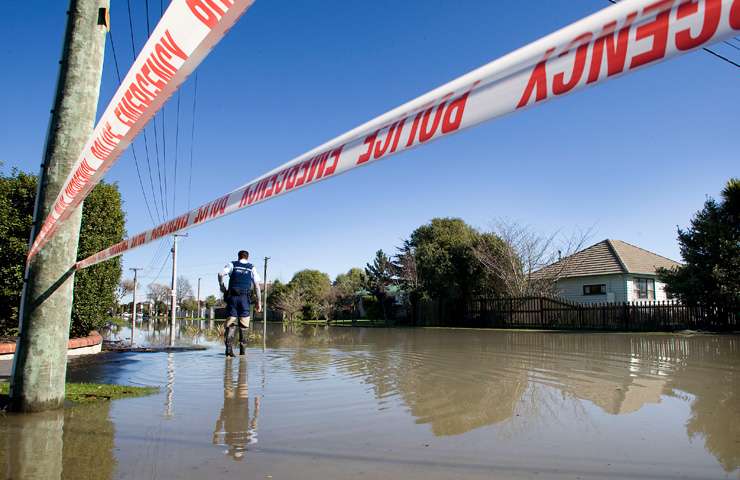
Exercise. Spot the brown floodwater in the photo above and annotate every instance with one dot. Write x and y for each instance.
(337, 403)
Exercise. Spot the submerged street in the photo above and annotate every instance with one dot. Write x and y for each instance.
(397, 403)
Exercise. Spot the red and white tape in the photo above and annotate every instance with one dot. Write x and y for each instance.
(186, 33)
(616, 40)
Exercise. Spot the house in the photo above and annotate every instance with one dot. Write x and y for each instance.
(610, 271)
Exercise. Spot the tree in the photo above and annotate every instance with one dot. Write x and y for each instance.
(189, 304)
(445, 262)
(102, 225)
(125, 287)
(348, 289)
(523, 261)
(17, 194)
(710, 248)
(407, 275)
(313, 286)
(274, 291)
(380, 279)
(160, 295)
(290, 301)
(184, 289)
(211, 301)
(328, 305)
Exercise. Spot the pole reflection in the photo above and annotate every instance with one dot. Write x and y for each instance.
(75, 442)
(170, 388)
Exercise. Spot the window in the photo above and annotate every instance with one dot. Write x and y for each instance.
(599, 289)
(645, 288)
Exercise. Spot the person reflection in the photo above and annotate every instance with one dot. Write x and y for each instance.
(234, 428)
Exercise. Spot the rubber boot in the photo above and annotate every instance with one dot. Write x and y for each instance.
(242, 340)
(229, 340)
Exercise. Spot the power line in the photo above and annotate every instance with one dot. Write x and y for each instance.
(706, 49)
(156, 256)
(146, 143)
(732, 45)
(722, 57)
(192, 137)
(177, 132)
(164, 155)
(166, 257)
(162, 192)
(148, 29)
(163, 116)
(177, 143)
(133, 151)
(145, 131)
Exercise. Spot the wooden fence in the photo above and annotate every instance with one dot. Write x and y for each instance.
(555, 313)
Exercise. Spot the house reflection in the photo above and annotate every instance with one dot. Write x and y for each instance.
(457, 383)
(234, 427)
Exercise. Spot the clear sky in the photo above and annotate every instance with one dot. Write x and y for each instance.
(631, 158)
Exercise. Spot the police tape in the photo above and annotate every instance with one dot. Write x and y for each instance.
(613, 41)
(186, 33)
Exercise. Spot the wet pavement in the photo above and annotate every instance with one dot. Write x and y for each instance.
(336, 403)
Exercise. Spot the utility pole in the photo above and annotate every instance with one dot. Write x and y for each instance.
(264, 307)
(173, 313)
(40, 362)
(199, 315)
(133, 314)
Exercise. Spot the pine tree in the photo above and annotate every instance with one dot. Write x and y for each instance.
(710, 248)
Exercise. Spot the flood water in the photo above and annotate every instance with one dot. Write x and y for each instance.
(337, 403)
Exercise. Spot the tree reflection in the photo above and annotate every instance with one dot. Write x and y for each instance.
(459, 381)
(716, 406)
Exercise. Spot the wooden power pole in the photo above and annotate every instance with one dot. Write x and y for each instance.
(199, 310)
(133, 313)
(264, 307)
(173, 311)
(40, 362)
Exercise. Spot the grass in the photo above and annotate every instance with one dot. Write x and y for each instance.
(96, 392)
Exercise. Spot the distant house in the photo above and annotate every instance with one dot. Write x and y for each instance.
(610, 271)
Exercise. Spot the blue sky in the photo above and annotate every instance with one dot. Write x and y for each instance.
(631, 158)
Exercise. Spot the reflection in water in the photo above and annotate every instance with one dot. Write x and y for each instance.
(75, 443)
(35, 448)
(459, 381)
(355, 399)
(234, 428)
(170, 387)
(715, 412)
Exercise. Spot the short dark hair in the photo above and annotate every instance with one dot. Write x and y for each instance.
(243, 254)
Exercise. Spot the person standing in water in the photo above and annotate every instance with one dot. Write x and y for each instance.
(243, 279)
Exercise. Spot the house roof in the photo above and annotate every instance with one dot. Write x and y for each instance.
(609, 257)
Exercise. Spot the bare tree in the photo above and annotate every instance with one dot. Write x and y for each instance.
(124, 288)
(405, 266)
(524, 261)
(407, 276)
(328, 304)
(184, 289)
(159, 294)
(290, 302)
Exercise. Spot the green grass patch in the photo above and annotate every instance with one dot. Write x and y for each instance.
(120, 321)
(96, 392)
